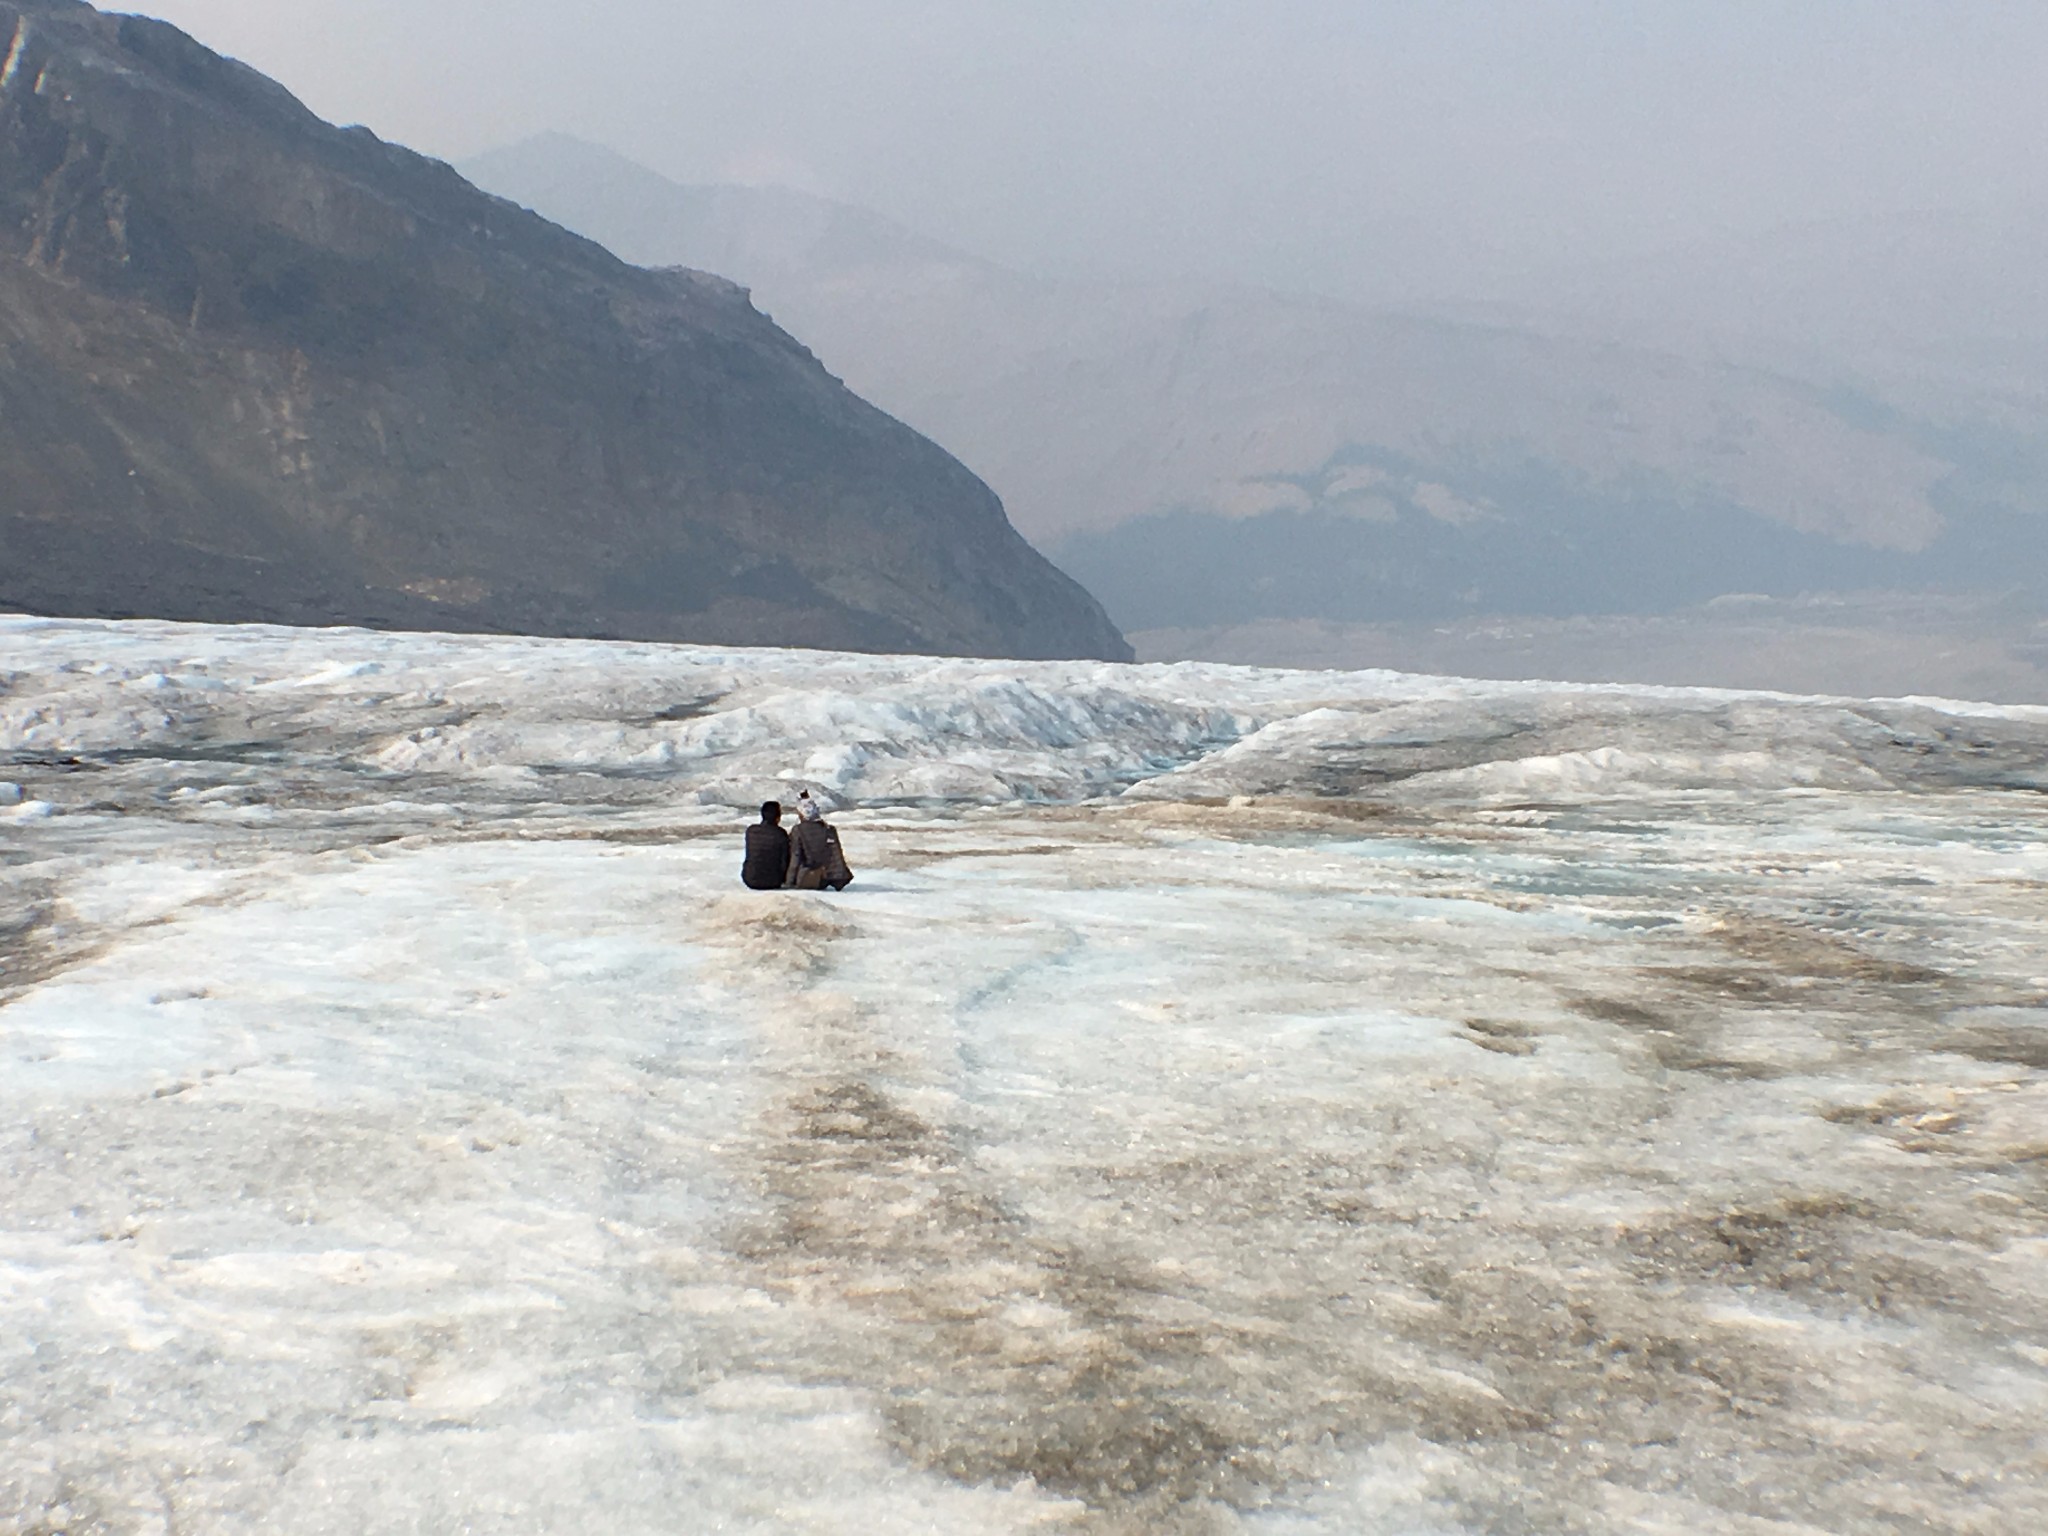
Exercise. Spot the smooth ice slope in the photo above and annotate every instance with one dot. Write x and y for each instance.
(1225, 1101)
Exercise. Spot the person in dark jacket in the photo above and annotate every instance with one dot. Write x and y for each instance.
(815, 858)
(767, 864)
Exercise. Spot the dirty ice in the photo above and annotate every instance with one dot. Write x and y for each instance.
(1225, 1101)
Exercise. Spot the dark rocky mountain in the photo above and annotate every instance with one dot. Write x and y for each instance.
(255, 367)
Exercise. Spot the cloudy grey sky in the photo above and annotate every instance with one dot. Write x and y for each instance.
(1362, 146)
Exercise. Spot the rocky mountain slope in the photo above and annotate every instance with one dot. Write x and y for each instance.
(1205, 456)
(253, 366)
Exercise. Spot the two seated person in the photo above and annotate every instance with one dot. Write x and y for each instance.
(807, 859)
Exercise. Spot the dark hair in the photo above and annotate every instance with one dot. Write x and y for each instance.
(771, 810)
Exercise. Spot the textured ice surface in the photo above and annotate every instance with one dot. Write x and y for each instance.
(1226, 1101)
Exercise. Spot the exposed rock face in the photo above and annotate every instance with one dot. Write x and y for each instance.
(254, 367)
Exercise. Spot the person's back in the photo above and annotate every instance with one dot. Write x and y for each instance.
(815, 857)
(767, 861)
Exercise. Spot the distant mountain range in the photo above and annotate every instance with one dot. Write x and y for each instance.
(255, 367)
(1204, 456)
(1943, 310)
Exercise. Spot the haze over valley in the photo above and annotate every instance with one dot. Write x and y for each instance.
(1207, 457)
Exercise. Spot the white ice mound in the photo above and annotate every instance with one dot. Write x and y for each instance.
(731, 727)
(1523, 741)
(1603, 770)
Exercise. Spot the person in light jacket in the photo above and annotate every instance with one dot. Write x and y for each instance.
(815, 858)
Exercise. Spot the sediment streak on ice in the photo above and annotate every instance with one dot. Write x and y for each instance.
(1225, 1101)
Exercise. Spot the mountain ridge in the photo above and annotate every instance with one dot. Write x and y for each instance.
(253, 366)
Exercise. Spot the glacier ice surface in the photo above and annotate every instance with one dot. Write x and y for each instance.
(1226, 1100)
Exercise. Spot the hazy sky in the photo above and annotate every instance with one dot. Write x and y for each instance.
(1358, 147)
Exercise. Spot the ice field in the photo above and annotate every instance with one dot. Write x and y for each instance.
(1225, 1101)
